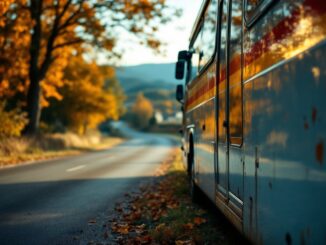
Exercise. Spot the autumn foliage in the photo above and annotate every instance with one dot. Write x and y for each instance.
(12, 122)
(86, 100)
(43, 45)
(141, 112)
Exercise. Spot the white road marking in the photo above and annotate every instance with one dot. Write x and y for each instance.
(75, 168)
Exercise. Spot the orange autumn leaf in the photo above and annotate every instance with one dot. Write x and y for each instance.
(188, 226)
(160, 227)
(184, 242)
(144, 239)
(199, 220)
(120, 228)
(139, 229)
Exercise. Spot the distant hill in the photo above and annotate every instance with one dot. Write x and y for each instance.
(147, 76)
(155, 81)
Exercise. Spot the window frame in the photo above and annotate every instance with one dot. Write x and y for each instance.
(257, 13)
(196, 34)
(213, 56)
(190, 48)
(235, 141)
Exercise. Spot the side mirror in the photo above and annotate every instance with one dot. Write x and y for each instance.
(184, 55)
(179, 93)
(180, 69)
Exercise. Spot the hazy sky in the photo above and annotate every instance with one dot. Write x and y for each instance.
(175, 34)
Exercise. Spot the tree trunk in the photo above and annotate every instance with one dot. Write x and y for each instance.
(33, 95)
(33, 103)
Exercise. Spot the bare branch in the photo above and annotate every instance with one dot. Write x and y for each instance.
(67, 22)
(76, 41)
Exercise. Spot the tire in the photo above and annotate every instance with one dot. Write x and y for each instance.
(189, 164)
(195, 192)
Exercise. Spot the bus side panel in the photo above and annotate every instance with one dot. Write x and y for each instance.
(201, 114)
(285, 125)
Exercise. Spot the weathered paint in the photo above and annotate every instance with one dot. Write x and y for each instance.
(271, 182)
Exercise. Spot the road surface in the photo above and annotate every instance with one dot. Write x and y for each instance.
(51, 202)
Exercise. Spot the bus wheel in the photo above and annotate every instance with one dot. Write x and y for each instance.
(195, 192)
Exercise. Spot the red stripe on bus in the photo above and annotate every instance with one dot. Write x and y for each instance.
(281, 31)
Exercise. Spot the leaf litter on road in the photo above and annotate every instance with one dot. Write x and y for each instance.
(161, 212)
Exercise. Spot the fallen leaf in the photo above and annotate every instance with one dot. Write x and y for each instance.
(140, 229)
(144, 239)
(183, 242)
(92, 221)
(188, 226)
(120, 228)
(199, 220)
(160, 227)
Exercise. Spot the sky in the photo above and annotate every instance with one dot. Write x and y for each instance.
(175, 34)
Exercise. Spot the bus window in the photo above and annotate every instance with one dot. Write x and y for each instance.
(222, 72)
(209, 34)
(235, 86)
(254, 8)
(195, 57)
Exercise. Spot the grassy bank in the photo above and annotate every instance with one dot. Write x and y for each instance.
(22, 149)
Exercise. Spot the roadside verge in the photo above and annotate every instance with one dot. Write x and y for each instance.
(24, 150)
(161, 212)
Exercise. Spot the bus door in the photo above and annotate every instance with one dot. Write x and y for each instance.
(230, 164)
(222, 148)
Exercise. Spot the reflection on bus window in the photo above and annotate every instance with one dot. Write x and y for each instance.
(195, 57)
(209, 33)
(252, 5)
(222, 73)
(235, 99)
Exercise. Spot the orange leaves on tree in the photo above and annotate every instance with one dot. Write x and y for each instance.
(4, 5)
(14, 44)
(11, 122)
(141, 112)
(38, 38)
(86, 100)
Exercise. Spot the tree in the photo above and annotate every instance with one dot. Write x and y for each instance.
(86, 100)
(4, 5)
(141, 112)
(11, 122)
(56, 29)
(114, 87)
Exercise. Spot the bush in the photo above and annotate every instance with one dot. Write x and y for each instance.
(141, 112)
(11, 122)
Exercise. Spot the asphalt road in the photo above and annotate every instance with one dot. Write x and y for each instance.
(51, 202)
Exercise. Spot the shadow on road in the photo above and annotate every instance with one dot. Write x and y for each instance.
(41, 212)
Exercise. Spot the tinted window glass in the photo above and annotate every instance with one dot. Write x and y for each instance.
(235, 86)
(252, 5)
(195, 57)
(209, 33)
(222, 72)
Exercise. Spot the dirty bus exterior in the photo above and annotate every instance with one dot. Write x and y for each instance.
(254, 103)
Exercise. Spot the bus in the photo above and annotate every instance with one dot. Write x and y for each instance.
(254, 116)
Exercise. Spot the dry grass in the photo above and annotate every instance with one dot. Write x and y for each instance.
(17, 150)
